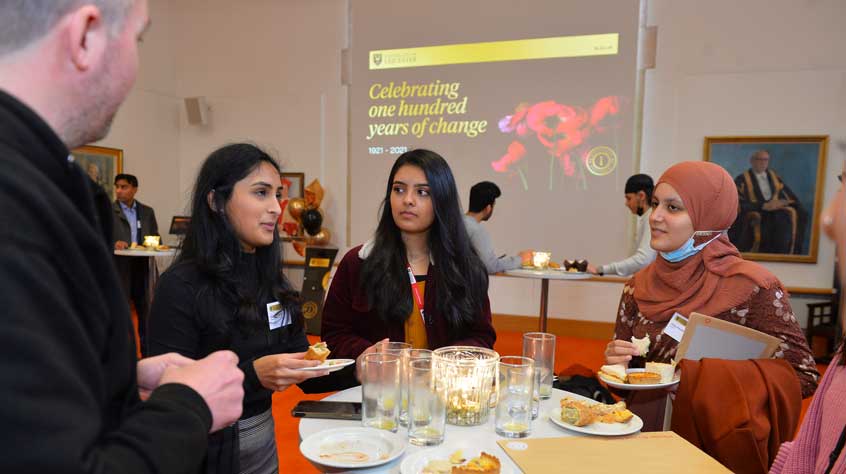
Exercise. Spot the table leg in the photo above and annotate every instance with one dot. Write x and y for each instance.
(544, 299)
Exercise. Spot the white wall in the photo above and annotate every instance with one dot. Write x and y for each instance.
(270, 70)
(147, 126)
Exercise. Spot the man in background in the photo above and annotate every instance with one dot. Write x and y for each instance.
(132, 222)
(638, 195)
(771, 218)
(482, 199)
(70, 385)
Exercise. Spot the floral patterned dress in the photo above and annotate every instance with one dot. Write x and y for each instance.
(766, 310)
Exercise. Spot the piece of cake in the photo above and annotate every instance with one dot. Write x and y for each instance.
(318, 351)
(666, 371)
(484, 464)
(642, 345)
(643, 378)
(614, 373)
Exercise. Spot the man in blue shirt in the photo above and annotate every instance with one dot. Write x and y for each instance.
(132, 221)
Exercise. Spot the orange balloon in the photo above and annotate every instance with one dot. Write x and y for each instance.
(296, 207)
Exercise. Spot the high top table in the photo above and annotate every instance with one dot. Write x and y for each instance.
(483, 435)
(544, 276)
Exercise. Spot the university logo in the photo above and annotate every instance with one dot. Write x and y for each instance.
(377, 58)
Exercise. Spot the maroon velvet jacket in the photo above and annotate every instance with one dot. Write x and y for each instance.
(349, 326)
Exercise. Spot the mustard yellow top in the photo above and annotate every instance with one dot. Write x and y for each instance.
(415, 330)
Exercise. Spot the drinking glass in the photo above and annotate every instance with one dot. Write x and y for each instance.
(513, 417)
(380, 391)
(540, 347)
(408, 355)
(426, 405)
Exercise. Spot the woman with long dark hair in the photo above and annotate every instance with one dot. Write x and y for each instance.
(418, 280)
(226, 290)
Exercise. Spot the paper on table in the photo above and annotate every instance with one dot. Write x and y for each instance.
(645, 453)
(711, 337)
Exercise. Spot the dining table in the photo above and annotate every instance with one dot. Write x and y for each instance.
(544, 275)
(152, 266)
(482, 436)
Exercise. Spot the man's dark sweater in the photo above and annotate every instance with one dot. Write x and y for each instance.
(69, 398)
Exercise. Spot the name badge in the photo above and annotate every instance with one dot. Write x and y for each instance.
(277, 318)
(675, 328)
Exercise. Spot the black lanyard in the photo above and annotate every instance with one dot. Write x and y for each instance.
(835, 453)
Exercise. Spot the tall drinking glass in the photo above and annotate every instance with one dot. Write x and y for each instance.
(513, 418)
(409, 355)
(540, 347)
(380, 391)
(426, 405)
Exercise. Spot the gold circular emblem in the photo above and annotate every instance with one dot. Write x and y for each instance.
(601, 160)
(309, 309)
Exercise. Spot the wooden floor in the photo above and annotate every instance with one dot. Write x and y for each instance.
(569, 352)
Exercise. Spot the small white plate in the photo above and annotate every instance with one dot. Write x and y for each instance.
(651, 386)
(414, 463)
(352, 447)
(331, 365)
(599, 429)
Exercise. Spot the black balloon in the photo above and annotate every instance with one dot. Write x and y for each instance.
(312, 221)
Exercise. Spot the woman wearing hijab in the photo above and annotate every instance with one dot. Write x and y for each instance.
(699, 270)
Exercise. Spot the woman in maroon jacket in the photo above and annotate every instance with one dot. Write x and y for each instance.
(418, 280)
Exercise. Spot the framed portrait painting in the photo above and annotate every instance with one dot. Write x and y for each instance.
(780, 183)
(101, 164)
(292, 185)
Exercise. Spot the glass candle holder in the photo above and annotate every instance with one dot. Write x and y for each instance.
(468, 375)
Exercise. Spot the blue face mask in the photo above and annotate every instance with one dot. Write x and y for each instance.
(689, 249)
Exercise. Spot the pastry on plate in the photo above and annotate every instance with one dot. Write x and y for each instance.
(614, 373)
(484, 464)
(317, 351)
(644, 378)
(666, 371)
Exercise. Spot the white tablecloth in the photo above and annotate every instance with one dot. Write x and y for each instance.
(482, 436)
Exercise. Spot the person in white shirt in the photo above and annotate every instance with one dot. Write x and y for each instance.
(482, 199)
(771, 218)
(638, 194)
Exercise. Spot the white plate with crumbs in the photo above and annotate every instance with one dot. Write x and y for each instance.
(331, 365)
(651, 386)
(599, 429)
(352, 447)
(437, 460)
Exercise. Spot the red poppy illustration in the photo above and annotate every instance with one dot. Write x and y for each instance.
(565, 131)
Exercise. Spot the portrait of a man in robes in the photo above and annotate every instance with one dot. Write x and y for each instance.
(771, 218)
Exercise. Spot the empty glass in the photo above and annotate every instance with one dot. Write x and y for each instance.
(513, 418)
(380, 391)
(540, 347)
(409, 355)
(426, 405)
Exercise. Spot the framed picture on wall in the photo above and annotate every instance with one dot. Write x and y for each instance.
(292, 185)
(102, 164)
(780, 184)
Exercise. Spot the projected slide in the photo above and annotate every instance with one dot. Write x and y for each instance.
(548, 117)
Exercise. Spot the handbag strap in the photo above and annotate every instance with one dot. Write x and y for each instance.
(835, 453)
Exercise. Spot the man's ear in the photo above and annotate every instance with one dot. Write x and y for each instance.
(86, 37)
(641, 195)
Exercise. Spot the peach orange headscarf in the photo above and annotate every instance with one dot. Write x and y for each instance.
(714, 280)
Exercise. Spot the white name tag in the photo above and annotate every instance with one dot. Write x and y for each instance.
(277, 318)
(675, 328)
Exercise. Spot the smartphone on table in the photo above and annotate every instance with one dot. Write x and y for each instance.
(329, 410)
